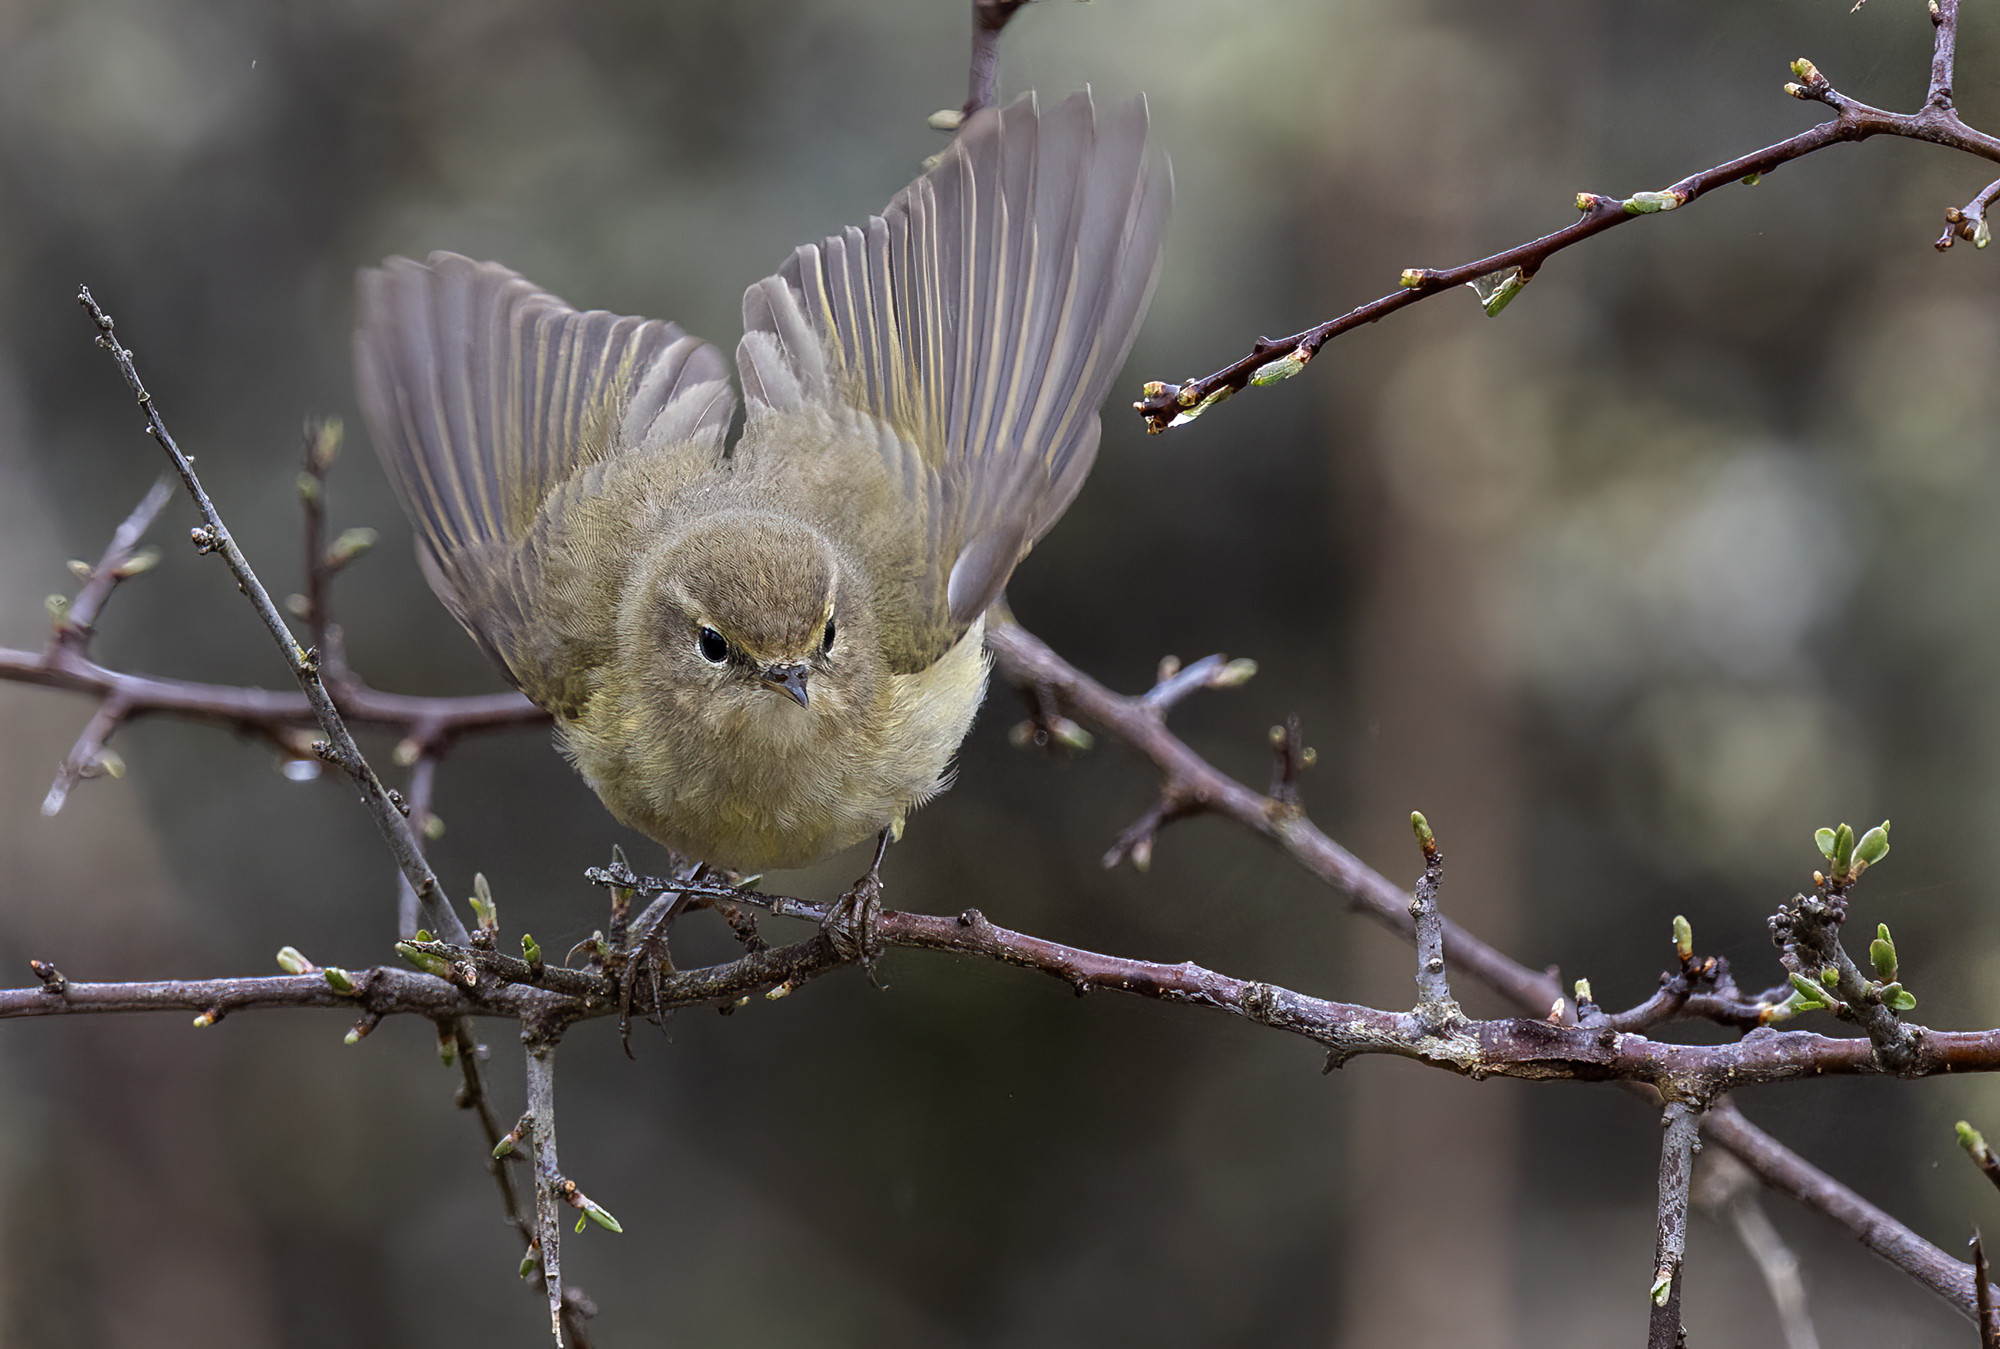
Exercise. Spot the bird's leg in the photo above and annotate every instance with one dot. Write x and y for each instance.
(851, 922)
(646, 950)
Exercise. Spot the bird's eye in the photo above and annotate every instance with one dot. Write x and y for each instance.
(714, 649)
(826, 643)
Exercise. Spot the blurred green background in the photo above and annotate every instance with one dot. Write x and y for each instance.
(1629, 590)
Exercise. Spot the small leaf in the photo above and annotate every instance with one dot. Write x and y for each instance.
(483, 907)
(1874, 845)
(1283, 368)
(1882, 954)
(144, 560)
(1496, 290)
(1646, 203)
(1235, 674)
(1824, 838)
(351, 544)
(1683, 938)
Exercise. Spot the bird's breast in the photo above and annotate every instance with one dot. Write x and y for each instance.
(763, 784)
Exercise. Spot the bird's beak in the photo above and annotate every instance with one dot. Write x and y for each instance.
(787, 679)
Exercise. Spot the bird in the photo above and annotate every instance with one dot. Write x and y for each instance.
(760, 654)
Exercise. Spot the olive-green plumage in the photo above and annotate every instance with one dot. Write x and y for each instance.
(762, 655)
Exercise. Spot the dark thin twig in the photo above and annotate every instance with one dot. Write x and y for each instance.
(1989, 1327)
(1969, 221)
(1025, 659)
(70, 637)
(1944, 54)
(1790, 1174)
(1726, 1191)
(1681, 1129)
(1434, 1001)
(1166, 405)
(78, 623)
(213, 536)
(268, 711)
(1982, 1156)
(548, 1174)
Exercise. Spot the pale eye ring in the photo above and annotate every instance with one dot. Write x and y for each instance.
(713, 646)
(826, 644)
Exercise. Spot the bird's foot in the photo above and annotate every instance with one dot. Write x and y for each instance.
(851, 924)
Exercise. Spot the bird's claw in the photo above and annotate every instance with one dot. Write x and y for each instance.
(853, 921)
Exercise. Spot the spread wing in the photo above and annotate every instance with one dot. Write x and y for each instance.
(971, 331)
(486, 397)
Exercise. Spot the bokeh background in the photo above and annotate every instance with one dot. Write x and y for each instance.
(1687, 554)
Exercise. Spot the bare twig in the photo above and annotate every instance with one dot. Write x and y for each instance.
(1681, 1129)
(267, 711)
(78, 623)
(212, 536)
(1788, 1173)
(1944, 53)
(1989, 1327)
(1726, 1191)
(473, 1095)
(1025, 659)
(1167, 405)
(1434, 1002)
(1982, 1156)
(548, 1175)
(1969, 221)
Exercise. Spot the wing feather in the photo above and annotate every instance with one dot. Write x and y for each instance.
(486, 397)
(971, 331)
